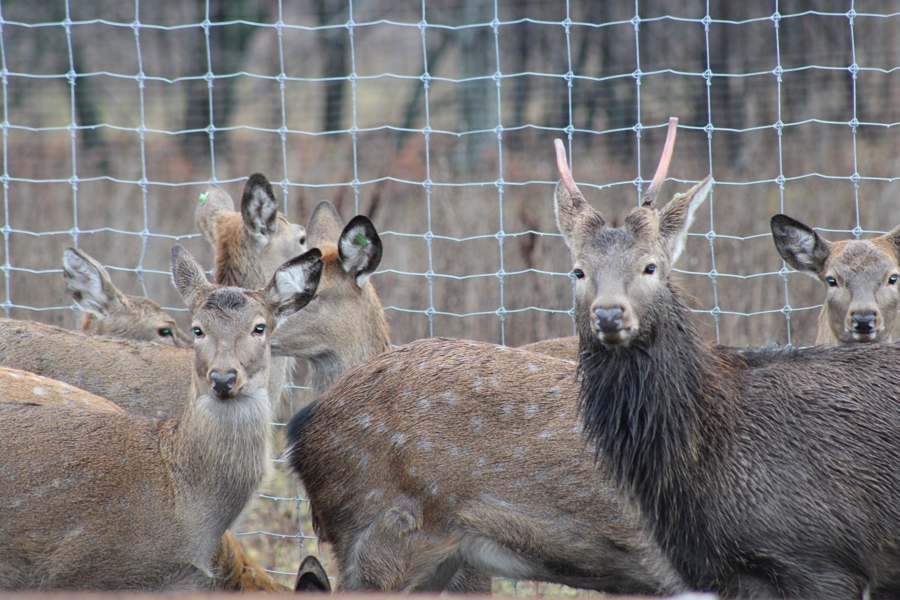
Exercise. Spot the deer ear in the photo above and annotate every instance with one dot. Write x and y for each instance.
(325, 225)
(213, 201)
(799, 246)
(89, 284)
(892, 240)
(259, 209)
(188, 276)
(569, 205)
(294, 284)
(311, 577)
(359, 249)
(676, 217)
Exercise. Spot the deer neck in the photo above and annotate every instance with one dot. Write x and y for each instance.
(219, 450)
(368, 337)
(647, 408)
(236, 260)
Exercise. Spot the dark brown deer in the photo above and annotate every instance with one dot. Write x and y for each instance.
(762, 473)
(117, 501)
(862, 294)
(107, 311)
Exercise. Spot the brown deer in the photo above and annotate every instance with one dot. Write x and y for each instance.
(862, 295)
(107, 311)
(249, 246)
(176, 483)
(442, 463)
(343, 323)
(761, 472)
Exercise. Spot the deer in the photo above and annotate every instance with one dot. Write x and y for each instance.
(160, 379)
(108, 311)
(760, 471)
(249, 246)
(861, 277)
(197, 472)
(443, 463)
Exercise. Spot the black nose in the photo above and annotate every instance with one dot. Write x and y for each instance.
(863, 322)
(223, 383)
(609, 320)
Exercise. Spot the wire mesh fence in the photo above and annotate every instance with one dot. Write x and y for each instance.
(436, 119)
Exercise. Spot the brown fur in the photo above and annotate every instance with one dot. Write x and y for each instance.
(24, 387)
(107, 311)
(441, 463)
(861, 279)
(196, 470)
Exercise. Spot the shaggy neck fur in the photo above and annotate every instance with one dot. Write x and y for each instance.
(650, 409)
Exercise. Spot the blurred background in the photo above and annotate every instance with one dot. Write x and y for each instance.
(436, 119)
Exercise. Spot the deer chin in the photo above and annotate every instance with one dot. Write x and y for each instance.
(618, 338)
(865, 337)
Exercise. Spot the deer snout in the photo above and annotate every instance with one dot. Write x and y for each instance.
(864, 323)
(608, 320)
(223, 383)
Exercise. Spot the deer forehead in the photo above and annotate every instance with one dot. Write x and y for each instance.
(859, 259)
(617, 250)
(232, 307)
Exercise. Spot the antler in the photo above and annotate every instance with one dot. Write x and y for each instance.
(649, 200)
(562, 165)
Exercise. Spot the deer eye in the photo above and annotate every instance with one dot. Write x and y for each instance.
(302, 240)
(165, 332)
(259, 329)
(831, 281)
(197, 331)
(578, 273)
(892, 280)
(650, 269)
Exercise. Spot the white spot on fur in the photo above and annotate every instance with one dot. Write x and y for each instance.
(424, 444)
(554, 391)
(423, 403)
(541, 476)
(477, 384)
(530, 411)
(412, 471)
(562, 413)
(399, 438)
(494, 558)
(505, 410)
(364, 420)
(380, 427)
(451, 448)
(518, 452)
(532, 367)
(567, 479)
(433, 486)
(476, 423)
(578, 428)
(450, 397)
(15, 375)
(545, 433)
(494, 382)
(39, 391)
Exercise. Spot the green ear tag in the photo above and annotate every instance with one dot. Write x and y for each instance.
(677, 196)
(361, 240)
(203, 197)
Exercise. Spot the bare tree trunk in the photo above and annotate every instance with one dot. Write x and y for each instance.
(477, 111)
(335, 47)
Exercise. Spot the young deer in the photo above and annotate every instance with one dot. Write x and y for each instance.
(343, 323)
(107, 311)
(175, 484)
(762, 473)
(442, 463)
(249, 246)
(862, 295)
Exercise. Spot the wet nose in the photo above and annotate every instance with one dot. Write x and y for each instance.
(609, 320)
(223, 383)
(863, 322)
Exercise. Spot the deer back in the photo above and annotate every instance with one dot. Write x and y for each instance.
(148, 379)
(862, 293)
(107, 311)
(443, 454)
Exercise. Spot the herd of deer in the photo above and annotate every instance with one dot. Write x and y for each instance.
(634, 458)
